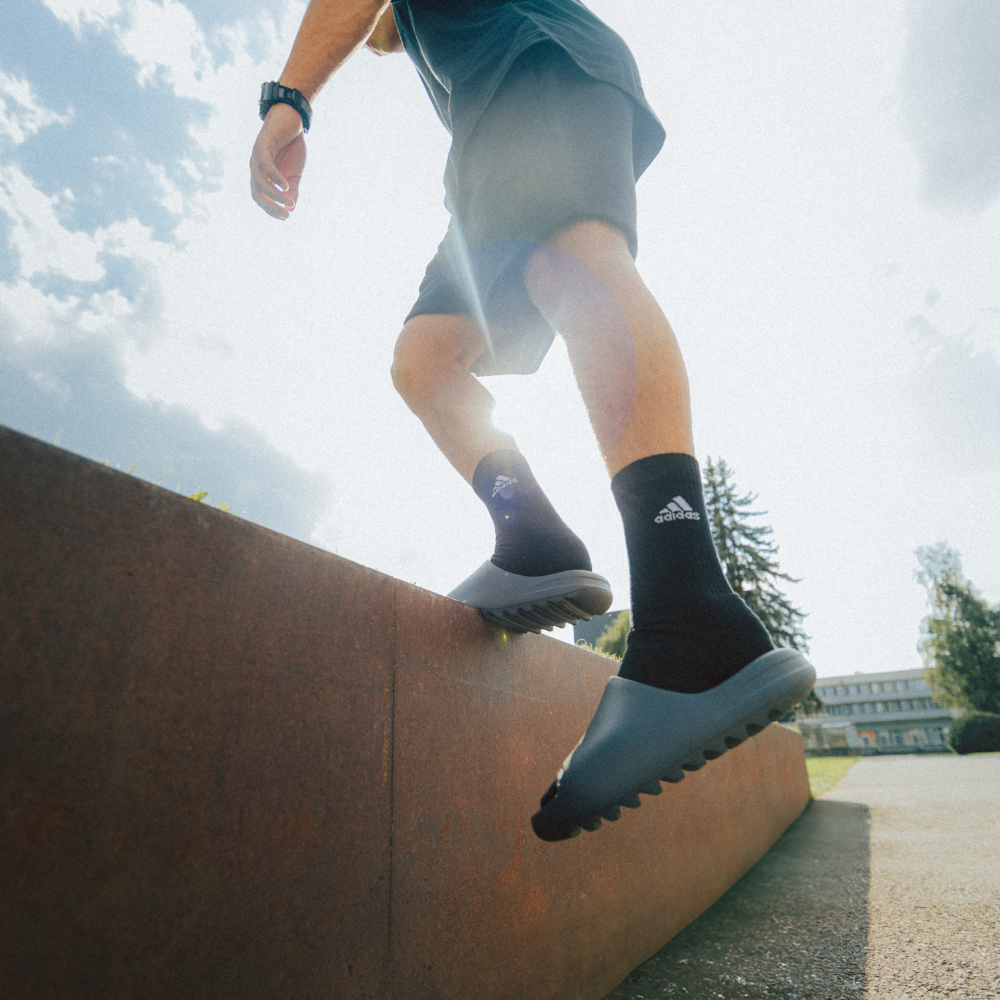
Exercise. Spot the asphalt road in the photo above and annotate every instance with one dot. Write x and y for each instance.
(888, 887)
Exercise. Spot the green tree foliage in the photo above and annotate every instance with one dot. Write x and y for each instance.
(976, 732)
(749, 556)
(612, 640)
(810, 704)
(960, 639)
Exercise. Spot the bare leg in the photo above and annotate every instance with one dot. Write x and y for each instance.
(624, 354)
(430, 371)
(690, 632)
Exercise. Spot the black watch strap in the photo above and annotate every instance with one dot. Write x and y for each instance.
(274, 93)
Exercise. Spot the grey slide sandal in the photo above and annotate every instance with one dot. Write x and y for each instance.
(533, 603)
(642, 735)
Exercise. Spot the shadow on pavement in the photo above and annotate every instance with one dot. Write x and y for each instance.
(794, 927)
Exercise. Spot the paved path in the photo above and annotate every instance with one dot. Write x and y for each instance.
(887, 887)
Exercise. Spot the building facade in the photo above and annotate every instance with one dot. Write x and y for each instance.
(891, 712)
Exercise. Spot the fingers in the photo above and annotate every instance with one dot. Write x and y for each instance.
(269, 188)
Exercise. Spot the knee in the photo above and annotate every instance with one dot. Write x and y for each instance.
(428, 348)
(411, 363)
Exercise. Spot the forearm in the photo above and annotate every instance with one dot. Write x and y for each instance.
(330, 32)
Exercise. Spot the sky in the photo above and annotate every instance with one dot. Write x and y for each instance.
(821, 228)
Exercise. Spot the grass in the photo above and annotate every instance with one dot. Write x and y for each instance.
(826, 772)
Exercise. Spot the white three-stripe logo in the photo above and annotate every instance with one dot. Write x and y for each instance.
(502, 482)
(677, 510)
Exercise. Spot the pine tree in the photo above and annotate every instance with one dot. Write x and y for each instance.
(749, 557)
(960, 639)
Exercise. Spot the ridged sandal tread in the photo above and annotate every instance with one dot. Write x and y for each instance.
(534, 603)
(801, 679)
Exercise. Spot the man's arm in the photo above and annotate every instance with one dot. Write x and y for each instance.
(330, 32)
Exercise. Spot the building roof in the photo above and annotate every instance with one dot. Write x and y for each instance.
(873, 677)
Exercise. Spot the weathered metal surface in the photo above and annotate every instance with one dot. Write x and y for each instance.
(194, 768)
(232, 765)
(483, 908)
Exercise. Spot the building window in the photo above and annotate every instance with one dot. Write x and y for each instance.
(864, 689)
(876, 688)
(869, 707)
(894, 706)
(856, 709)
(880, 706)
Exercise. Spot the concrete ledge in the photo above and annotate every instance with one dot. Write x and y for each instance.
(232, 765)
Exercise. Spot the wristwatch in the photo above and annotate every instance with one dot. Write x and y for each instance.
(274, 93)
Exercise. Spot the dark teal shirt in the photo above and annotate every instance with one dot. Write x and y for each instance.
(463, 48)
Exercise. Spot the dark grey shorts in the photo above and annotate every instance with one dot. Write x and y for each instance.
(553, 147)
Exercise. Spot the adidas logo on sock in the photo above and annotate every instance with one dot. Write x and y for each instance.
(501, 484)
(677, 510)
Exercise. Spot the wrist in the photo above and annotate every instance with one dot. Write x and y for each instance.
(283, 123)
(274, 93)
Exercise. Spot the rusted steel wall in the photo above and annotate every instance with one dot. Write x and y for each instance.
(235, 766)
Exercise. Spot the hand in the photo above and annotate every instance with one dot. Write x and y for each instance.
(277, 161)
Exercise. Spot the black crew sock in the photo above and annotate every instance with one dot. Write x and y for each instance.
(690, 631)
(532, 539)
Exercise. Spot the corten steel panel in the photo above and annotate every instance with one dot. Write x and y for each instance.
(211, 787)
(195, 738)
(481, 907)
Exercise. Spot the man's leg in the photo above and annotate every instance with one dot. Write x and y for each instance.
(624, 354)
(691, 634)
(430, 370)
(539, 575)
(690, 631)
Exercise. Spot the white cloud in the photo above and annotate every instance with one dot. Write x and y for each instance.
(21, 113)
(42, 244)
(950, 109)
(104, 311)
(167, 37)
(38, 312)
(78, 13)
(133, 240)
(172, 199)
